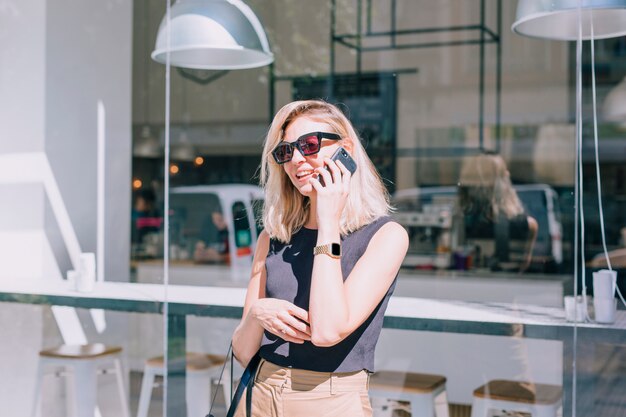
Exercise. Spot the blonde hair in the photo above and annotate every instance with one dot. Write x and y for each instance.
(285, 210)
(485, 186)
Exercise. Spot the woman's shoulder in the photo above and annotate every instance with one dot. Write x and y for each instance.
(384, 223)
(391, 228)
(384, 232)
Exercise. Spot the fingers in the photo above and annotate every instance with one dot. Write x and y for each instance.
(334, 169)
(287, 336)
(346, 177)
(288, 333)
(298, 312)
(316, 184)
(327, 176)
(297, 324)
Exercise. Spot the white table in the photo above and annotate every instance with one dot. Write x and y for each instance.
(496, 319)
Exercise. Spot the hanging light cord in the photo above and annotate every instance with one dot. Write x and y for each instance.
(166, 216)
(597, 160)
(577, 200)
(579, 167)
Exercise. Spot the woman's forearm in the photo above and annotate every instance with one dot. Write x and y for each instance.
(247, 338)
(328, 307)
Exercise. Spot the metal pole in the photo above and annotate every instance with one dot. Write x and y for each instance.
(331, 73)
(481, 92)
(359, 11)
(499, 78)
(369, 16)
(393, 22)
(271, 96)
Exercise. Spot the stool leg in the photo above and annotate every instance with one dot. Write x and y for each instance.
(70, 394)
(36, 411)
(198, 393)
(119, 375)
(422, 405)
(85, 383)
(550, 410)
(479, 408)
(147, 384)
(226, 386)
(441, 404)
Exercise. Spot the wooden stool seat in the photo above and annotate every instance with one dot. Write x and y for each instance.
(195, 361)
(80, 365)
(406, 381)
(92, 350)
(426, 393)
(519, 391)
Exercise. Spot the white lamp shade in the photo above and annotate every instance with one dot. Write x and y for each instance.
(213, 35)
(146, 145)
(614, 106)
(558, 19)
(183, 152)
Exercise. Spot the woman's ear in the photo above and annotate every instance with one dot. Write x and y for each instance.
(348, 144)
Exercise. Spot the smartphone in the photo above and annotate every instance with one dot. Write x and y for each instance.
(344, 157)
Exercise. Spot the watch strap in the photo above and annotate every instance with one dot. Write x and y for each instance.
(331, 249)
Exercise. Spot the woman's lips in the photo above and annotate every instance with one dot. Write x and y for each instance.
(306, 177)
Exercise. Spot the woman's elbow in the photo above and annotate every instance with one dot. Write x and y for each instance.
(325, 339)
(241, 357)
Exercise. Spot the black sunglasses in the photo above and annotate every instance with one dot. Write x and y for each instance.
(308, 144)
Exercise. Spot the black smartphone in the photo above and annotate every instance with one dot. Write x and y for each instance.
(344, 157)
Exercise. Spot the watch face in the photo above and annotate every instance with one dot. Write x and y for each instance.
(335, 249)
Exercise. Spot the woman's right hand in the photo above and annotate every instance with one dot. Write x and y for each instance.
(283, 319)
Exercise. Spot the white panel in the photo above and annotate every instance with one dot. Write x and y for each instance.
(22, 69)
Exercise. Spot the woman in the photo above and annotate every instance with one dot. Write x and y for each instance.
(492, 209)
(316, 318)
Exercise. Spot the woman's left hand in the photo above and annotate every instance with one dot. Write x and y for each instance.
(332, 196)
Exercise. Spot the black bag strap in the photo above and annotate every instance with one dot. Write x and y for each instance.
(219, 381)
(246, 382)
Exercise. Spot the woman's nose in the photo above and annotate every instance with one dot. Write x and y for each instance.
(297, 156)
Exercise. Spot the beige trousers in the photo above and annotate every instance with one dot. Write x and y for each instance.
(286, 392)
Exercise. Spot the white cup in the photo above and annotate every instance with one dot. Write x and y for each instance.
(86, 279)
(604, 282)
(574, 308)
(604, 309)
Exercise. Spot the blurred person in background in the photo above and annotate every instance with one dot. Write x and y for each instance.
(491, 210)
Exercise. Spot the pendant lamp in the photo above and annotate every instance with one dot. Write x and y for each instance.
(558, 19)
(147, 145)
(213, 35)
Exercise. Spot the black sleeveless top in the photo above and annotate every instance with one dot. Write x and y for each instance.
(289, 267)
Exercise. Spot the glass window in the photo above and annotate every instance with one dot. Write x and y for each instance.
(471, 126)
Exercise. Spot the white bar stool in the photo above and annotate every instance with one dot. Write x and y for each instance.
(425, 392)
(81, 364)
(201, 369)
(540, 400)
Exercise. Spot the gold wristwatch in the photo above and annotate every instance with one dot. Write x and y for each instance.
(331, 249)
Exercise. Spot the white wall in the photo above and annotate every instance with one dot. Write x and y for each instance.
(88, 59)
(22, 80)
(58, 58)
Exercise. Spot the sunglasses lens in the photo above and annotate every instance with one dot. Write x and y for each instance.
(283, 153)
(309, 145)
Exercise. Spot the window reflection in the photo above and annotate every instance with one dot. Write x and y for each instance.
(211, 224)
(484, 223)
(146, 236)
